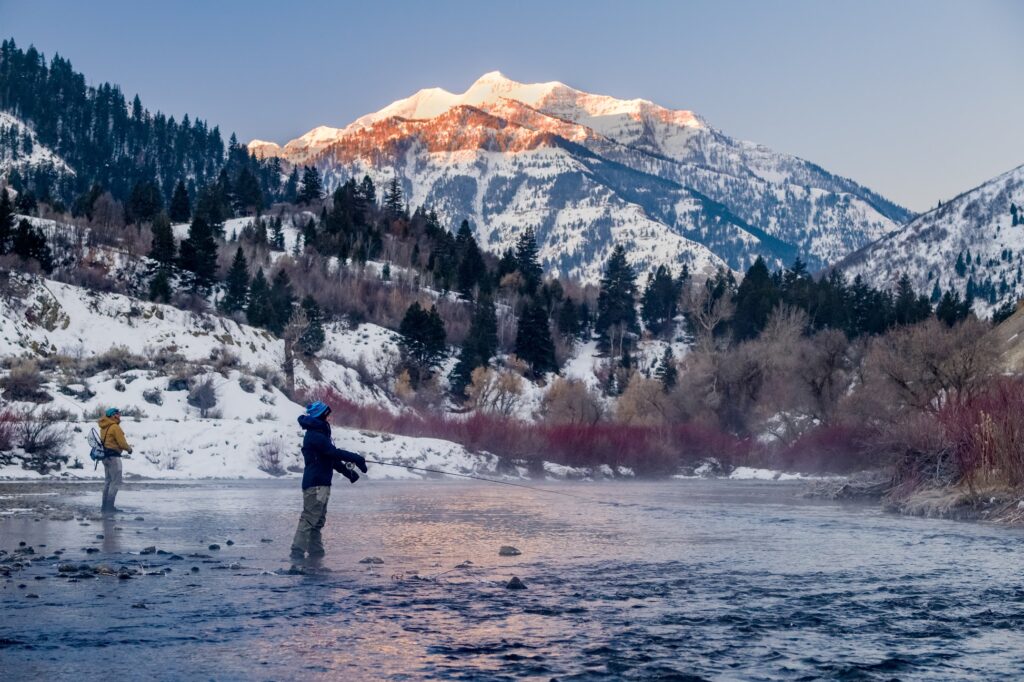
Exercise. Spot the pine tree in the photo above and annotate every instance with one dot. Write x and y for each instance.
(180, 210)
(667, 372)
(160, 287)
(960, 267)
(506, 264)
(660, 300)
(291, 187)
(756, 297)
(616, 302)
(569, 325)
(422, 341)
(164, 249)
(26, 203)
(198, 253)
(259, 232)
(368, 191)
(949, 307)
(528, 261)
(394, 204)
(936, 293)
(480, 346)
(312, 189)
(260, 310)
(236, 285)
(312, 340)
(905, 305)
(282, 300)
(6, 222)
(144, 203)
(211, 208)
(309, 233)
(533, 339)
(472, 271)
(247, 193)
(30, 243)
(385, 272)
(277, 235)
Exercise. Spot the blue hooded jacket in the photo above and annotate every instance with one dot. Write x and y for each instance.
(319, 453)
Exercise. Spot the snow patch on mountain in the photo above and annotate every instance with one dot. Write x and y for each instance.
(26, 153)
(976, 226)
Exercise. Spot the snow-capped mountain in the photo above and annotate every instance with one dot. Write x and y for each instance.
(586, 171)
(977, 237)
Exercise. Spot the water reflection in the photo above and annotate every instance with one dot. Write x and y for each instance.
(651, 580)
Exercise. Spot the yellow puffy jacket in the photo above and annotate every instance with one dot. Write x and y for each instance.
(111, 435)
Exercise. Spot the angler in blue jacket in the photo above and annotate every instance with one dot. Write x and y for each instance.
(322, 460)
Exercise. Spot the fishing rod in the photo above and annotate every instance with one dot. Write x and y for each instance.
(479, 478)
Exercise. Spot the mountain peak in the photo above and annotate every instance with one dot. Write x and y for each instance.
(491, 77)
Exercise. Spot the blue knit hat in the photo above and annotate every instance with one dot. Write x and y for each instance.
(317, 409)
(111, 411)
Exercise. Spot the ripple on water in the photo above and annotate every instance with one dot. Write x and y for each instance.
(675, 581)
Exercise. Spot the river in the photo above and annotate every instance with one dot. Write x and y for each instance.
(679, 580)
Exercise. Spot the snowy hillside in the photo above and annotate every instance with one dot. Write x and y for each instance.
(973, 241)
(586, 171)
(93, 342)
(21, 151)
(97, 350)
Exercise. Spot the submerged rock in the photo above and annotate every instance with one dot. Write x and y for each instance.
(508, 550)
(265, 540)
(515, 584)
(371, 560)
(214, 546)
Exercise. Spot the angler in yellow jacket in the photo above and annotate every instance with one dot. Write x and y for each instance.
(114, 445)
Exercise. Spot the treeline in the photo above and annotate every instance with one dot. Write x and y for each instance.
(143, 160)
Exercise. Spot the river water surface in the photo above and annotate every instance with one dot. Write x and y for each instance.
(675, 580)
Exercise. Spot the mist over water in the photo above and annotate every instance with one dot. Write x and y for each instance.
(715, 580)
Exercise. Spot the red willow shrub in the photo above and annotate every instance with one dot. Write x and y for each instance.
(648, 450)
(986, 434)
(834, 449)
(8, 423)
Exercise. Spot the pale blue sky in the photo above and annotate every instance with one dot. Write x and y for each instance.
(918, 99)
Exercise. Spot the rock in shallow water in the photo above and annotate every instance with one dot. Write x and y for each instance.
(508, 550)
(515, 584)
(214, 546)
(371, 560)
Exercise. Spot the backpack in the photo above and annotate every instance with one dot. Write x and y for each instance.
(97, 453)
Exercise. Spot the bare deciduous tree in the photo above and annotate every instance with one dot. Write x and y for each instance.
(570, 401)
(495, 392)
(704, 313)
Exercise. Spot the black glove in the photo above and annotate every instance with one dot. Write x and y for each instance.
(346, 471)
(360, 462)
